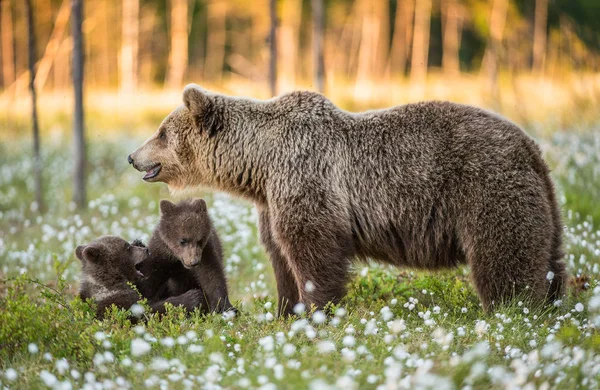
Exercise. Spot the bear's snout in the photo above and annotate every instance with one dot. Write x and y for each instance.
(130, 159)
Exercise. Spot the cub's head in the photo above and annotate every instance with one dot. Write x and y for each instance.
(177, 152)
(110, 259)
(185, 228)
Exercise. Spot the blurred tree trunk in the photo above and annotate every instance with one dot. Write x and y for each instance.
(37, 159)
(289, 32)
(79, 190)
(273, 47)
(129, 45)
(318, 13)
(401, 40)
(178, 55)
(420, 47)
(451, 20)
(53, 47)
(8, 53)
(539, 35)
(489, 65)
(215, 45)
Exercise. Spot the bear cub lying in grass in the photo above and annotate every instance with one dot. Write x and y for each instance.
(185, 253)
(109, 266)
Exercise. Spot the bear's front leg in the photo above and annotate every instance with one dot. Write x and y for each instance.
(317, 247)
(287, 288)
(211, 277)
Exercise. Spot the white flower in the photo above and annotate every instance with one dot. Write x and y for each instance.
(269, 317)
(309, 286)
(299, 308)
(349, 341)
(319, 317)
(168, 342)
(48, 378)
(579, 307)
(193, 348)
(137, 310)
(139, 347)
(481, 328)
(396, 326)
(159, 364)
(32, 348)
(11, 374)
(325, 346)
(289, 349)
(550, 275)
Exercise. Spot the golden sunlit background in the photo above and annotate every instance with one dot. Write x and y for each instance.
(536, 61)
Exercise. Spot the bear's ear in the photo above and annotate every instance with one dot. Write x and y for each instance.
(207, 117)
(199, 205)
(79, 252)
(91, 253)
(166, 207)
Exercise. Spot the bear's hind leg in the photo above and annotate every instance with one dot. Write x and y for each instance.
(507, 243)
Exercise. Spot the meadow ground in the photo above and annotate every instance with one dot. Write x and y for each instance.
(396, 328)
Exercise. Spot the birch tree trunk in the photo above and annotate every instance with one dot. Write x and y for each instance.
(215, 45)
(129, 45)
(178, 55)
(451, 39)
(539, 35)
(79, 190)
(420, 47)
(289, 32)
(318, 13)
(401, 40)
(273, 47)
(37, 159)
(8, 54)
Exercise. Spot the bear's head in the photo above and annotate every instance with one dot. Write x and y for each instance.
(185, 228)
(109, 260)
(177, 152)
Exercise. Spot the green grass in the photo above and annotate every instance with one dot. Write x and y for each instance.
(395, 328)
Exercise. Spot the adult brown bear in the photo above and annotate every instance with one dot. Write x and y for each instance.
(427, 185)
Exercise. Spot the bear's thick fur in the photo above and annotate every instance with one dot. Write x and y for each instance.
(185, 254)
(427, 185)
(108, 266)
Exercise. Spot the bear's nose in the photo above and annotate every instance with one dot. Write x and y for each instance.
(129, 159)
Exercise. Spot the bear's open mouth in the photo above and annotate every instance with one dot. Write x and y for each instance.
(152, 172)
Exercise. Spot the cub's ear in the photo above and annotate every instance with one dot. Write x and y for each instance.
(79, 252)
(204, 110)
(166, 207)
(91, 253)
(199, 205)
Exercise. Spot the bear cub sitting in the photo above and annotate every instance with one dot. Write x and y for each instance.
(185, 253)
(109, 265)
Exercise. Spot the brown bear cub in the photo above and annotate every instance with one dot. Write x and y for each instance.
(185, 253)
(108, 266)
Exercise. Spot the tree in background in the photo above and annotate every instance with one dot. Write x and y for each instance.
(273, 47)
(539, 35)
(178, 54)
(489, 65)
(79, 191)
(318, 45)
(129, 45)
(420, 46)
(8, 56)
(451, 26)
(37, 159)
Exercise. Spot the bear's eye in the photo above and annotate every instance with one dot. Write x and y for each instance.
(183, 241)
(162, 135)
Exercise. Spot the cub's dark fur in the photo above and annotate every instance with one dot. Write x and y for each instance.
(108, 265)
(185, 253)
